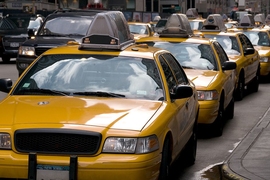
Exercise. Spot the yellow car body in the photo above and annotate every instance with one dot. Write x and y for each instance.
(140, 29)
(260, 38)
(60, 120)
(248, 61)
(219, 81)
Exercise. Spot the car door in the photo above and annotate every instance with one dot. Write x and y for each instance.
(229, 75)
(250, 59)
(184, 115)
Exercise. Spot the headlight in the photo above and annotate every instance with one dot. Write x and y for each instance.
(208, 95)
(5, 141)
(264, 59)
(131, 145)
(26, 51)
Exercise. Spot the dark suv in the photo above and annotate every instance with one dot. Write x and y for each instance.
(13, 32)
(58, 28)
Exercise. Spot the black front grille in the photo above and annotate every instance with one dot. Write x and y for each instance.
(14, 39)
(57, 141)
(39, 51)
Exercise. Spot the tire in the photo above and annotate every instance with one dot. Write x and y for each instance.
(165, 161)
(240, 90)
(190, 150)
(218, 124)
(254, 84)
(5, 59)
(230, 110)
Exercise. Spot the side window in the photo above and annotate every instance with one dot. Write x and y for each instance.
(176, 68)
(221, 53)
(171, 82)
(246, 42)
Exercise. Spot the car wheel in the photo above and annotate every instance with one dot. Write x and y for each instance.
(165, 161)
(239, 92)
(217, 126)
(5, 59)
(254, 85)
(230, 110)
(190, 150)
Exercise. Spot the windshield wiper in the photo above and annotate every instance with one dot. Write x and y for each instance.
(100, 94)
(43, 91)
(187, 67)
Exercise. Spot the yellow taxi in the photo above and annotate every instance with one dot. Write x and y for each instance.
(140, 29)
(260, 38)
(240, 50)
(195, 20)
(206, 64)
(101, 109)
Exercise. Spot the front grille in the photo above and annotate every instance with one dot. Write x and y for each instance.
(39, 51)
(14, 39)
(57, 141)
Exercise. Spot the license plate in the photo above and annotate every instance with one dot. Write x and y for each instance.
(14, 44)
(48, 172)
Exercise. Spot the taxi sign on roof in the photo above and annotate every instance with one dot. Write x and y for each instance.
(247, 21)
(177, 26)
(214, 22)
(108, 30)
(259, 18)
(267, 19)
(192, 13)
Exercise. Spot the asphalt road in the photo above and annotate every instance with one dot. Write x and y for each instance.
(211, 152)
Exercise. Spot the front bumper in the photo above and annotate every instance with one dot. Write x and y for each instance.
(103, 166)
(208, 111)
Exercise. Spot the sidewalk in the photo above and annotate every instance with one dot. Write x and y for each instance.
(251, 158)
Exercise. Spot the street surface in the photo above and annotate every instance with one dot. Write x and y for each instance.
(211, 152)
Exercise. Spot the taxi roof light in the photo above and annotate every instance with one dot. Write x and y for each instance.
(214, 22)
(267, 19)
(192, 13)
(108, 30)
(259, 19)
(177, 26)
(247, 21)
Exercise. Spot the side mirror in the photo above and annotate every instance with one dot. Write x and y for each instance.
(182, 91)
(31, 33)
(228, 65)
(5, 85)
(249, 51)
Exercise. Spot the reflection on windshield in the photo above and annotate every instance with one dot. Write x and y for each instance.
(258, 38)
(229, 43)
(137, 29)
(66, 26)
(196, 25)
(194, 56)
(127, 76)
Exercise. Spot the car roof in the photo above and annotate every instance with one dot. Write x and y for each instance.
(140, 51)
(196, 40)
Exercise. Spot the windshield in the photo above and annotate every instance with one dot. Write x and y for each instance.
(138, 29)
(127, 77)
(66, 26)
(196, 25)
(189, 55)
(229, 43)
(34, 24)
(258, 38)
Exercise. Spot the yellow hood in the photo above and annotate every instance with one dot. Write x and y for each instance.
(100, 112)
(201, 78)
